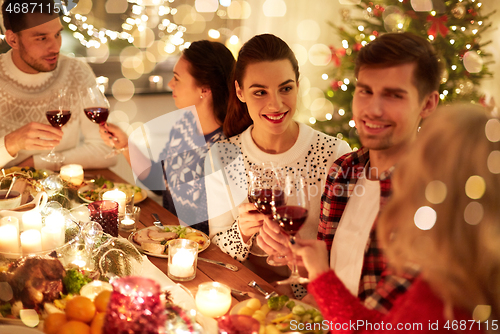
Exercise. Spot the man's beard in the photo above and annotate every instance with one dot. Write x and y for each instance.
(35, 64)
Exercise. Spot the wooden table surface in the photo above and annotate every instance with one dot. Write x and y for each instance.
(206, 272)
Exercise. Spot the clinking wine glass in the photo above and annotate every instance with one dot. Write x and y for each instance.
(58, 114)
(291, 216)
(96, 108)
(264, 190)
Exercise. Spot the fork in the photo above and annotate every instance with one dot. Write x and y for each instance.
(267, 295)
(157, 221)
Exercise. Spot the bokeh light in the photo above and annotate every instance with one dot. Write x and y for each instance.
(83, 8)
(493, 162)
(475, 187)
(128, 107)
(144, 38)
(310, 95)
(116, 6)
(481, 313)
(300, 53)
(492, 130)
(123, 89)
(320, 55)
(215, 34)
(435, 192)
(304, 85)
(308, 30)
(98, 55)
(239, 10)
(425, 218)
(118, 116)
(274, 8)
(206, 6)
(473, 213)
(320, 108)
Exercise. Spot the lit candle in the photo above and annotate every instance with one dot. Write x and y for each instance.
(127, 224)
(32, 220)
(213, 299)
(92, 289)
(51, 237)
(9, 239)
(72, 174)
(182, 264)
(56, 229)
(31, 241)
(9, 220)
(119, 197)
(156, 82)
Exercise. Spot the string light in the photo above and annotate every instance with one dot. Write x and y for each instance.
(312, 120)
(452, 41)
(91, 36)
(324, 76)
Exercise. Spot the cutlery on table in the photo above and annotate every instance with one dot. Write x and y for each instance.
(266, 294)
(11, 186)
(229, 266)
(245, 294)
(157, 221)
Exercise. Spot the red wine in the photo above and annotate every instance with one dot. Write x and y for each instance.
(97, 115)
(265, 199)
(57, 118)
(290, 218)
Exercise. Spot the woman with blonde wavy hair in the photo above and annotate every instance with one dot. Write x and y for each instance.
(444, 218)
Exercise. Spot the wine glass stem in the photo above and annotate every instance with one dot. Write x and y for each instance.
(52, 151)
(295, 268)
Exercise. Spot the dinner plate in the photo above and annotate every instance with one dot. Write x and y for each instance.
(165, 256)
(88, 187)
(272, 314)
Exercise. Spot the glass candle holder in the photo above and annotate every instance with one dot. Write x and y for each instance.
(213, 299)
(182, 259)
(106, 214)
(135, 307)
(72, 174)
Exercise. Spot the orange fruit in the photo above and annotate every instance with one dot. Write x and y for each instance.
(74, 327)
(53, 322)
(80, 308)
(98, 323)
(101, 300)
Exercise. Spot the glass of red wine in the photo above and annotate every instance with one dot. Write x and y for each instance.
(264, 191)
(58, 114)
(96, 108)
(291, 216)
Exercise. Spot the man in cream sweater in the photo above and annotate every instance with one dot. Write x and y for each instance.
(30, 75)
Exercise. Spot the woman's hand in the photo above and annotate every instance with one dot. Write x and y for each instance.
(250, 220)
(314, 256)
(113, 136)
(272, 240)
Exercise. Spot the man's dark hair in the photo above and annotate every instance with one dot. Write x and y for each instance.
(19, 15)
(393, 49)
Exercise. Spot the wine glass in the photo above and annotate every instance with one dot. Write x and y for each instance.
(96, 108)
(58, 114)
(264, 191)
(291, 216)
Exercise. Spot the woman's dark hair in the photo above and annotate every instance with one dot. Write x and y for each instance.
(393, 49)
(259, 48)
(211, 64)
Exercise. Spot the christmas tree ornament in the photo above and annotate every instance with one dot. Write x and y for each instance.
(438, 25)
(346, 14)
(458, 11)
(473, 62)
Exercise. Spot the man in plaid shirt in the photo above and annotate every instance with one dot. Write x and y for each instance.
(398, 77)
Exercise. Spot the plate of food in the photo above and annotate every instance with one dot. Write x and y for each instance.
(154, 240)
(91, 192)
(281, 314)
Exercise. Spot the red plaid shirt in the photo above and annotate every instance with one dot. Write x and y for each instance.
(379, 286)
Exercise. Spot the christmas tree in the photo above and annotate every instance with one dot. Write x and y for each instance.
(454, 27)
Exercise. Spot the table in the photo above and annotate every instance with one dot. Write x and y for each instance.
(206, 272)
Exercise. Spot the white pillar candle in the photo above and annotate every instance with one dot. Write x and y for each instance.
(9, 239)
(72, 174)
(9, 220)
(31, 241)
(56, 225)
(213, 299)
(32, 220)
(182, 263)
(119, 197)
(51, 237)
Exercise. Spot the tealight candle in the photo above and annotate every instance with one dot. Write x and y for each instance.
(9, 239)
(127, 224)
(182, 256)
(119, 197)
(213, 299)
(9, 220)
(32, 220)
(72, 174)
(31, 241)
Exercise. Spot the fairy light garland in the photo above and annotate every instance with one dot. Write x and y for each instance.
(91, 36)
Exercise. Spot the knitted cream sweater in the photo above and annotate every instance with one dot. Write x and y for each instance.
(24, 98)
